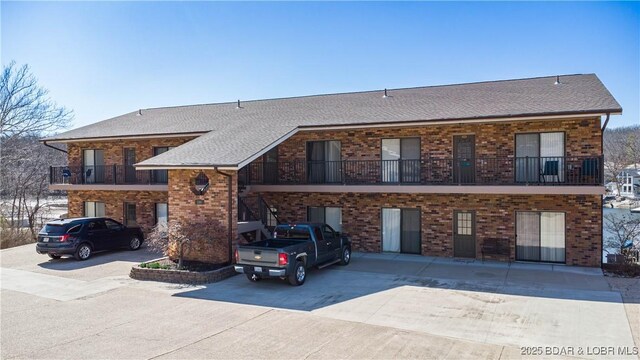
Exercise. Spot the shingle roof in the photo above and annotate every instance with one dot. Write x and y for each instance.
(233, 135)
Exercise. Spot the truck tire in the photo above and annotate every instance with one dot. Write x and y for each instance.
(253, 277)
(299, 274)
(345, 256)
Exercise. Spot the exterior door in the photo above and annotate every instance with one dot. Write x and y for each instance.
(464, 153)
(270, 166)
(464, 234)
(129, 160)
(160, 176)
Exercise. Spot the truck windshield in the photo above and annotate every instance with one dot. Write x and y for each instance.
(291, 232)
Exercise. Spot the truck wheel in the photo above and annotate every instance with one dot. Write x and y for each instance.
(299, 274)
(253, 277)
(346, 256)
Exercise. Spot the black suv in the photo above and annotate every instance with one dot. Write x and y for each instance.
(80, 237)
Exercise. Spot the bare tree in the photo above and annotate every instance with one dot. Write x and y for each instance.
(26, 113)
(25, 107)
(621, 149)
(622, 229)
(174, 238)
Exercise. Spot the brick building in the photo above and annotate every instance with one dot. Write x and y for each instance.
(510, 170)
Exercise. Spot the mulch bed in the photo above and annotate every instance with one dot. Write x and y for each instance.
(166, 264)
(622, 270)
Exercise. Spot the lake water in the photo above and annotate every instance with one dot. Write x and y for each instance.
(605, 233)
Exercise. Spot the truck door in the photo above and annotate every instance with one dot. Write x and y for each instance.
(333, 242)
(321, 244)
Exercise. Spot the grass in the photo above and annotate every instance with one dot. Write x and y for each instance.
(166, 264)
(157, 265)
(9, 239)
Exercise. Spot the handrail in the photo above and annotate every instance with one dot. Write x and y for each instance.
(509, 170)
(105, 174)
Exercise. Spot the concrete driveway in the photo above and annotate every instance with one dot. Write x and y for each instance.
(380, 306)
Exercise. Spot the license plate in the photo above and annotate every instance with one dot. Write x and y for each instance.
(45, 240)
(257, 269)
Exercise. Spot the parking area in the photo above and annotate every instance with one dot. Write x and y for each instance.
(380, 306)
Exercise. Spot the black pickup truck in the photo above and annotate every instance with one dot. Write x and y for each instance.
(293, 249)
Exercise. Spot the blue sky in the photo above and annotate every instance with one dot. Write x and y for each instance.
(105, 59)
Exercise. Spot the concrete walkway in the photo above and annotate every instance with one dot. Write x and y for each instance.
(380, 306)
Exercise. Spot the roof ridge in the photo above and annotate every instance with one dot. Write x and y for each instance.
(361, 92)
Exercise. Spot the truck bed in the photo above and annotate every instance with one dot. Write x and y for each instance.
(273, 243)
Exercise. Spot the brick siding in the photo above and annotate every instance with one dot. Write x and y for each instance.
(114, 149)
(495, 218)
(114, 204)
(213, 210)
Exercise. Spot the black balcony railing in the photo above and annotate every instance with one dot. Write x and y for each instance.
(433, 171)
(105, 174)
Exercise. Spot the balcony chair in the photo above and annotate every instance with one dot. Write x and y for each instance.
(66, 175)
(590, 170)
(551, 168)
(87, 175)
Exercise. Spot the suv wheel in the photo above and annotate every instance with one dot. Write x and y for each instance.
(135, 243)
(83, 252)
(346, 256)
(299, 274)
(54, 256)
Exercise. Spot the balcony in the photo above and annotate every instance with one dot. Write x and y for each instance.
(538, 171)
(105, 176)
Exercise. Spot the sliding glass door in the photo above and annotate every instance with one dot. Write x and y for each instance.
(540, 236)
(540, 157)
(93, 166)
(323, 162)
(400, 160)
(401, 230)
(332, 216)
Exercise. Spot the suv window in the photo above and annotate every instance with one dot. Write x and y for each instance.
(96, 225)
(112, 225)
(54, 228)
(74, 229)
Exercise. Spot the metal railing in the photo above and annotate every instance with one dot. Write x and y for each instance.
(105, 174)
(573, 170)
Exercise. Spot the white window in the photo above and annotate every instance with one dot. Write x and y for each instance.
(540, 236)
(162, 214)
(331, 216)
(94, 209)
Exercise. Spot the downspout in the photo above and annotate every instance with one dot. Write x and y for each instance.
(53, 147)
(604, 127)
(229, 212)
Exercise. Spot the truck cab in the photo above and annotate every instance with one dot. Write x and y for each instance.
(293, 249)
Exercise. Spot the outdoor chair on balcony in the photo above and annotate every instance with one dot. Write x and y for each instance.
(590, 171)
(87, 175)
(551, 168)
(66, 175)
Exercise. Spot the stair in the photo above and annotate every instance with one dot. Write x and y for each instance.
(255, 217)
